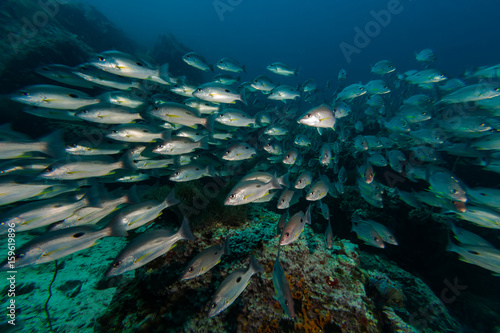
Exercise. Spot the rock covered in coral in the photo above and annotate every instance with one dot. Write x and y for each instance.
(46, 32)
(328, 286)
(415, 303)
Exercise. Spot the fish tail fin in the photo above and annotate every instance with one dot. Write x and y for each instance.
(171, 199)
(166, 135)
(163, 73)
(275, 184)
(308, 217)
(126, 161)
(185, 231)
(54, 144)
(116, 228)
(255, 266)
(132, 196)
(243, 95)
(204, 143)
(451, 247)
(93, 197)
(209, 124)
(211, 171)
(227, 247)
(284, 180)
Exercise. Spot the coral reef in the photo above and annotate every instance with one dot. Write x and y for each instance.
(328, 286)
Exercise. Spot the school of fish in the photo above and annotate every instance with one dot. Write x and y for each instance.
(294, 142)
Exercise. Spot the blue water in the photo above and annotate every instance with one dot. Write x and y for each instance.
(308, 34)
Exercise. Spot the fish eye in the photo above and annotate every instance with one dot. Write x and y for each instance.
(19, 256)
(188, 56)
(309, 115)
(199, 89)
(85, 111)
(300, 181)
(286, 302)
(282, 200)
(117, 264)
(453, 191)
(301, 220)
(160, 146)
(287, 234)
(214, 305)
(232, 196)
(73, 95)
(375, 239)
(25, 93)
(102, 59)
(176, 173)
(78, 234)
(114, 131)
(190, 269)
(360, 88)
(226, 90)
(73, 145)
(312, 193)
(49, 169)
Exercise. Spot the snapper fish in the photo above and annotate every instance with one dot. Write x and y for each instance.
(147, 247)
(321, 116)
(295, 226)
(54, 97)
(282, 69)
(96, 76)
(230, 65)
(219, 93)
(351, 92)
(232, 287)
(426, 55)
(282, 288)
(383, 67)
(263, 83)
(283, 93)
(206, 260)
(197, 61)
(250, 191)
(181, 114)
(57, 244)
(63, 74)
(124, 64)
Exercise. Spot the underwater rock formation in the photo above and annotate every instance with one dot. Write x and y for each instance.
(45, 32)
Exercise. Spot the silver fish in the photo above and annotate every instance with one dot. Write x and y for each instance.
(295, 226)
(206, 260)
(60, 243)
(282, 288)
(147, 247)
(55, 97)
(232, 287)
(197, 61)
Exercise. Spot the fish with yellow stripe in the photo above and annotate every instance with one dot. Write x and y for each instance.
(147, 247)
